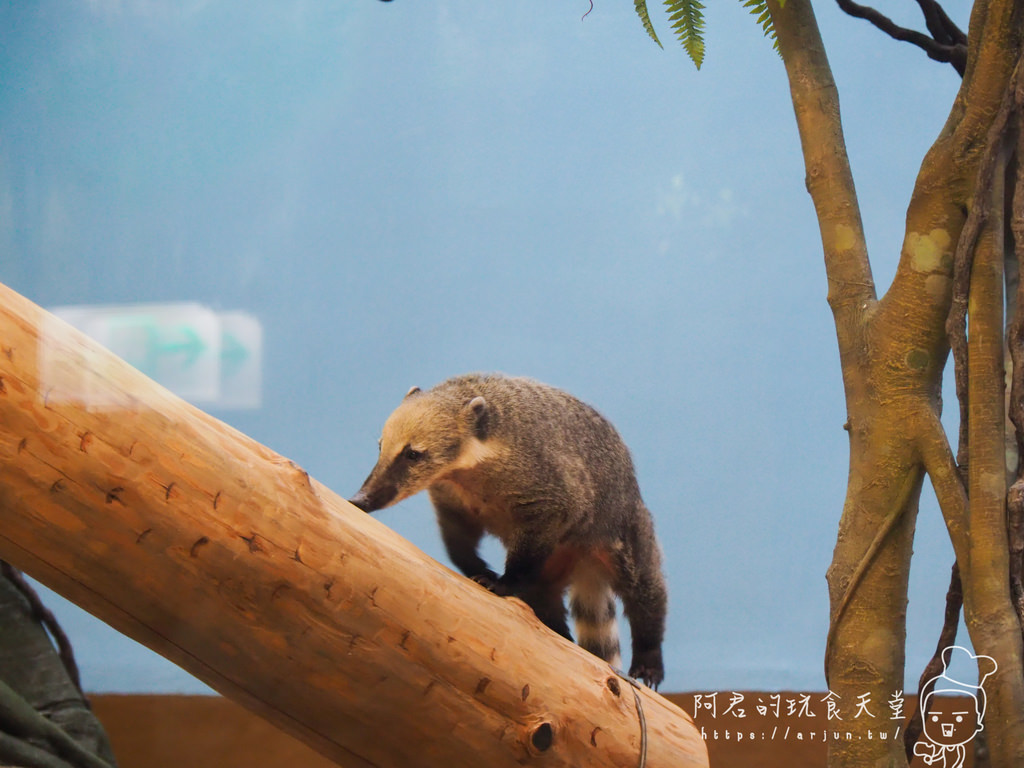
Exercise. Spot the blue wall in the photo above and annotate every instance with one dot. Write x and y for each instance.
(404, 191)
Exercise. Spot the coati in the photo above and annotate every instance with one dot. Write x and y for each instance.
(552, 479)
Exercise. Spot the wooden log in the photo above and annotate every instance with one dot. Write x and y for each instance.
(232, 562)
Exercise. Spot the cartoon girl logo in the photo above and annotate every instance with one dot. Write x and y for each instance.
(950, 725)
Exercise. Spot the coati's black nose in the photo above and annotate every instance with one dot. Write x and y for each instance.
(374, 496)
(362, 501)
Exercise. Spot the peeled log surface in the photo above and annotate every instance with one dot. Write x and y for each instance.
(232, 562)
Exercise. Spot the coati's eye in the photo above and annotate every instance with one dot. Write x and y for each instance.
(411, 454)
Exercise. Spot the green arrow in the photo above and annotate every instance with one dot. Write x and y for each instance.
(188, 343)
(233, 353)
(159, 342)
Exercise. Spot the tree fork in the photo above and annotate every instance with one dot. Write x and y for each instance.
(233, 563)
(892, 353)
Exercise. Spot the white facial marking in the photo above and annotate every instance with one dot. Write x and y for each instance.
(475, 452)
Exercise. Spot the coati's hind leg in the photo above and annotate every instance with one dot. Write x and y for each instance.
(592, 604)
(647, 628)
(645, 603)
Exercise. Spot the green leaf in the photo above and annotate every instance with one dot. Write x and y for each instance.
(687, 17)
(641, 10)
(759, 8)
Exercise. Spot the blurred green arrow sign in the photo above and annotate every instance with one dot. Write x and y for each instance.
(207, 357)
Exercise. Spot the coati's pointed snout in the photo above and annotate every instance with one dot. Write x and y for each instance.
(370, 499)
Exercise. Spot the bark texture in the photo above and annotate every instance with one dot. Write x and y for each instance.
(232, 562)
(893, 350)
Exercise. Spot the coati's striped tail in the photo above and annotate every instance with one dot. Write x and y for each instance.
(592, 604)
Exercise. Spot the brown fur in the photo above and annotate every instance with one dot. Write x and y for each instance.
(551, 479)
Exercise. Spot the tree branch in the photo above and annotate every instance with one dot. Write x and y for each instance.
(990, 615)
(994, 49)
(981, 207)
(1015, 342)
(955, 54)
(947, 481)
(942, 28)
(829, 179)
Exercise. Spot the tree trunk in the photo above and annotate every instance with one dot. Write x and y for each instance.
(989, 612)
(893, 351)
(232, 562)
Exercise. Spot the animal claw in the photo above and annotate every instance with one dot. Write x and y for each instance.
(493, 583)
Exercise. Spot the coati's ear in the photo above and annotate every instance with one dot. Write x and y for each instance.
(479, 417)
(412, 391)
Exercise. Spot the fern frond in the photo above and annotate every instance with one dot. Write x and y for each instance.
(759, 8)
(641, 10)
(687, 17)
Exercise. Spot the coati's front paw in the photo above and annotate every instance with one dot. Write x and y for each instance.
(494, 583)
(648, 667)
(502, 588)
(488, 579)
